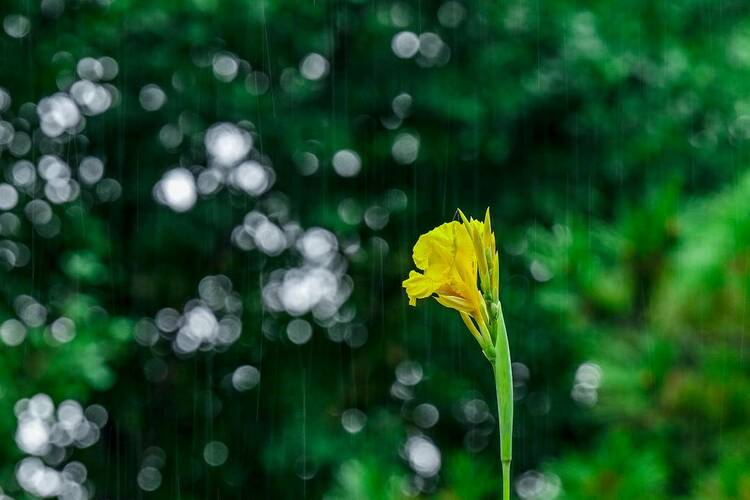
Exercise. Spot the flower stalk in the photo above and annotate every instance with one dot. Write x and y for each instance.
(504, 388)
(460, 269)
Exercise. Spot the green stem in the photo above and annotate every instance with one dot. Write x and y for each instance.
(504, 387)
(506, 480)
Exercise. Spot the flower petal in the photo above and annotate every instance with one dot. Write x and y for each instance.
(457, 303)
(435, 248)
(419, 286)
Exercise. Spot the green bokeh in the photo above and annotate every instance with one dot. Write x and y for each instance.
(609, 139)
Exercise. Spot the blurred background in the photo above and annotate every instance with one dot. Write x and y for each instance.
(207, 208)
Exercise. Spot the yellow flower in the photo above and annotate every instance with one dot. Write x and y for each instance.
(451, 257)
(460, 269)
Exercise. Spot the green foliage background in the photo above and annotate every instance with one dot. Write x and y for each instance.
(609, 139)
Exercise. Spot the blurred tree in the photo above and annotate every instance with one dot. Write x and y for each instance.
(207, 208)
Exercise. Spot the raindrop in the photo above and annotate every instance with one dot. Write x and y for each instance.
(401, 105)
(97, 415)
(16, 26)
(245, 377)
(257, 83)
(152, 97)
(314, 67)
(251, 177)
(6, 133)
(539, 271)
(350, 211)
(451, 14)
(405, 44)
(299, 331)
(110, 68)
(347, 163)
(425, 415)
(534, 485)
(376, 217)
(5, 99)
(170, 136)
(167, 319)
(149, 479)
(353, 420)
(8, 197)
(423, 455)
(409, 372)
(227, 144)
(90, 170)
(307, 163)
(89, 68)
(177, 190)
(58, 114)
(12, 332)
(225, 66)
(63, 330)
(215, 453)
(405, 149)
